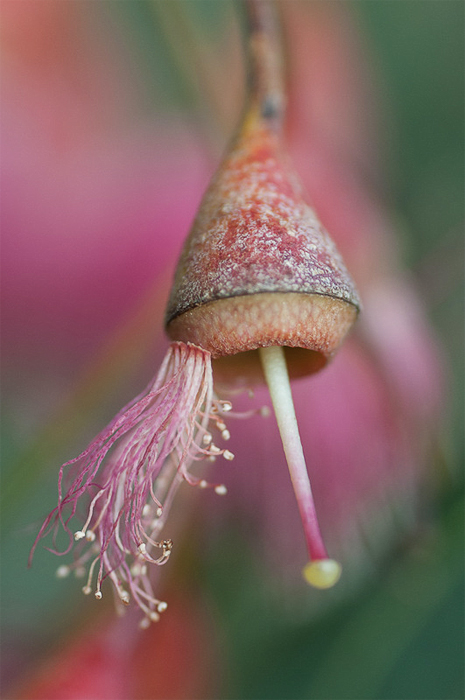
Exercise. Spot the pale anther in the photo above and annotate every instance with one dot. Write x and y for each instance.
(62, 572)
(90, 536)
(221, 490)
(161, 607)
(225, 434)
(228, 455)
(203, 484)
(124, 596)
(79, 535)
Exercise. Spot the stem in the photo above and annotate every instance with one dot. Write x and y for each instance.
(265, 60)
(321, 572)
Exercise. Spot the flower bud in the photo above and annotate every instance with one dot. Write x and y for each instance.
(258, 269)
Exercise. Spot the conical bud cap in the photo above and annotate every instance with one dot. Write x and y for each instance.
(258, 268)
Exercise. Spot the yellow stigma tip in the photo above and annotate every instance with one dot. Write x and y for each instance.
(322, 573)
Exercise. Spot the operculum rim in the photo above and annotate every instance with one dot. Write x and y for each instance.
(310, 326)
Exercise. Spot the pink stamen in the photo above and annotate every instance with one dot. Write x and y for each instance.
(130, 473)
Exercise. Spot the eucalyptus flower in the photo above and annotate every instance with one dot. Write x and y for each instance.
(258, 273)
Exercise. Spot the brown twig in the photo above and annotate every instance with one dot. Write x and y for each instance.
(265, 60)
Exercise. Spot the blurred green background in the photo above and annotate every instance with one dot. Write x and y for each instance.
(402, 635)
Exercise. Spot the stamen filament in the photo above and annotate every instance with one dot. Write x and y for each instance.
(321, 572)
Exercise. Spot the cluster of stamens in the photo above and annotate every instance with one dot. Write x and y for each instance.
(130, 473)
(129, 486)
(208, 449)
(131, 580)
